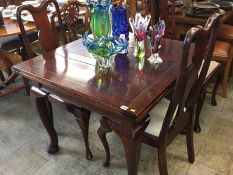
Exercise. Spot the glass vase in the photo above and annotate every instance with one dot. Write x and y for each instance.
(100, 22)
(119, 22)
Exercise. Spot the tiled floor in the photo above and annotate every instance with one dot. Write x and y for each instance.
(23, 142)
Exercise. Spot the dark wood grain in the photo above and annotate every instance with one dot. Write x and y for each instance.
(69, 70)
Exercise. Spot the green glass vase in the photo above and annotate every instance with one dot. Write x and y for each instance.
(100, 22)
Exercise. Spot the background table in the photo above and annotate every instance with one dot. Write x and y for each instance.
(11, 27)
(185, 22)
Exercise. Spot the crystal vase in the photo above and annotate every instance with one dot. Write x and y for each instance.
(99, 12)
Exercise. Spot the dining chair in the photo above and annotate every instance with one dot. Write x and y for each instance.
(222, 54)
(162, 130)
(49, 41)
(215, 71)
(180, 114)
(70, 14)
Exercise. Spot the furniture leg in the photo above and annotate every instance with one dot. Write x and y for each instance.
(200, 103)
(102, 131)
(218, 82)
(189, 141)
(27, 86)
(44, 109)
(231, 70)
(82, 117)
(131, 137)
(225, 78)
(2, 78)
(162, 159)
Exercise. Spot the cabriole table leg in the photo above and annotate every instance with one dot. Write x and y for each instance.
(44, 109)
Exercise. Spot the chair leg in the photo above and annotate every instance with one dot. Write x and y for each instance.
(225, 78)
(27, 85)
(2, 78)
(102, 131)
(162, 159)
(231, 70)
(189, 142)
(218, 82)
(200, 103)
(82, 117)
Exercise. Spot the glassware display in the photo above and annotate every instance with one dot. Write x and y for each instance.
(119, 22)
(139, 26)
(104, 49)
(100, 44)
(155, 33)
(100, 22)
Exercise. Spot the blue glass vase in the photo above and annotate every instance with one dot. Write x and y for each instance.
(119, 22)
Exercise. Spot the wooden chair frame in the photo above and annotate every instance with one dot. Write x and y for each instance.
(70, 15)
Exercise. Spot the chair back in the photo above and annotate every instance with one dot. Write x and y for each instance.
(192, 73)
(47, 35)
(70, 14)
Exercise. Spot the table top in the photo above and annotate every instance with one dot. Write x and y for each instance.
(183, 18)
(72, 73)
(11, 27)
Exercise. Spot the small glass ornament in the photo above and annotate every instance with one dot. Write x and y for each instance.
(139, 26)
(155, 33)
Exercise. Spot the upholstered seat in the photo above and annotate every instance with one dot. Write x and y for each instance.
(157, 117)
(213, 65)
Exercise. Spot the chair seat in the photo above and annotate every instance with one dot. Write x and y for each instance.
(212, 66)
(157, 117)
(226, 32)
(221, 51)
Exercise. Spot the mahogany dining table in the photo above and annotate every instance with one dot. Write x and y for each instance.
(124, 94)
